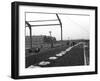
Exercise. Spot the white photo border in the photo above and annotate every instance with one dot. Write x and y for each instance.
(55, 70)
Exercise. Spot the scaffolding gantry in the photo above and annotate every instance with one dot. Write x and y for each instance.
(38, 25)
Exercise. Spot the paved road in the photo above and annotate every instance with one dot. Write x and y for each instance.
(71, 56)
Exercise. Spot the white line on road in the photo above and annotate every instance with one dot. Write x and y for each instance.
(85, 60)
(44, 63)
(52, 58)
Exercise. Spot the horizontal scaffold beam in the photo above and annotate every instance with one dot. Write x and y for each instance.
(43, 25)
(43, 20)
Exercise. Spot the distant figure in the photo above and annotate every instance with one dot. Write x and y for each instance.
(73, 43)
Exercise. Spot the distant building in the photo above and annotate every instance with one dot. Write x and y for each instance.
(38, 40)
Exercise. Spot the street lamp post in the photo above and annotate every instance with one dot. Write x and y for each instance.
(51, 40)
(50, 33)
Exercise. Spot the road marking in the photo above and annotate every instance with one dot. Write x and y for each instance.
(68, 49)
(44, 63)
(32, 66)
(85, 60)
(52, 58)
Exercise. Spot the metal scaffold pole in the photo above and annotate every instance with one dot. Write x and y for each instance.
(60, 26)
(30, 34)
(30, 27)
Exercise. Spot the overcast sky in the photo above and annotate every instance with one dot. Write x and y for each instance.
(73, 26)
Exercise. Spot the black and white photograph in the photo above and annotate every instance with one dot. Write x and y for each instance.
(56, 39)
(53, 40)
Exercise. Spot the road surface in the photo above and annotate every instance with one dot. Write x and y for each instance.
(62, 56)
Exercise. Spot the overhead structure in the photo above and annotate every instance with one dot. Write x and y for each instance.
(60, 26)
(29, 26)
(38, 25)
